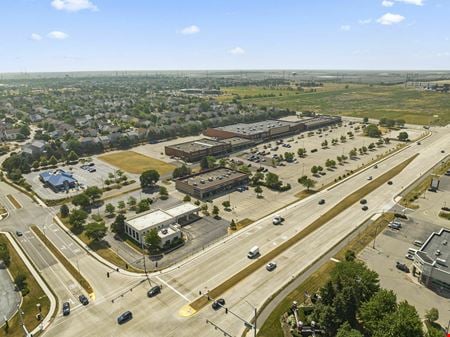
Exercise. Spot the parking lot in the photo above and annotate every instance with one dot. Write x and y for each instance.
(392, 246)
(83, 176)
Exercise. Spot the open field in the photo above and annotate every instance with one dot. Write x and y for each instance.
(271, 326)
(356, 100)
(134, 162)
(323, 219)
(35, 296)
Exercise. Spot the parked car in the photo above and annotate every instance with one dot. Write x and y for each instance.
(402, 267)
(369, 178)
(395, 225)
(217, 304)
(83, 299)
(364, 208)
(409, 257)
(154, 291)
(321, 201)
(91, 169)
(125, 317)
(363, 201)
(271, 266)
(66, 308)
(19, 233)
(390, 182)
(91, 164)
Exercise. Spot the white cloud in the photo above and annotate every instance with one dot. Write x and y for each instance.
(365, 21)
(387, 3)
(443, 54)
(412, 2)
(390, 19)
(73, 5)
(345, 28)
(57, 35)
(193, 29)
(237, 51)
(36, 37)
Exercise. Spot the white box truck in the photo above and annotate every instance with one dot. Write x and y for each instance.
(253, 252)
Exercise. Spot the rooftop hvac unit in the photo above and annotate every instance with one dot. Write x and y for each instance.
(437, 253)
(442, 262)
(444, 242)
(202, 181)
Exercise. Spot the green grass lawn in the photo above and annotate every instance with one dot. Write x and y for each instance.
(377, 101)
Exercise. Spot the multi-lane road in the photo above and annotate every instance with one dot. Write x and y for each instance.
(166, 314)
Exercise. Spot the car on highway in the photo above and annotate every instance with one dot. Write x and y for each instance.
(402, 267)
(321, 201)
(369, 178)
(92, 169)
(19, 233)
(364, 208)
(375, 166)
(277, 219)
(66, 308)
(125, 317)
(154, 291)
(442, 151)
(271, 266)
(363, 201)
(418, 143)
(409, 257)
(83, 299)
(390, 182)
(217, 304)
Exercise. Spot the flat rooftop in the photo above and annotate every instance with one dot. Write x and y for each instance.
(255, 128)
(183, 209)
(148, 220)
(438, 242)
(212, 178)
(237, 141)
(196, 145)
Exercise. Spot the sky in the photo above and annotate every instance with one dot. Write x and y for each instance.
(87, 35)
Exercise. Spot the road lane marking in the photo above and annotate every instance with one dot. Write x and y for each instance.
(170, 287)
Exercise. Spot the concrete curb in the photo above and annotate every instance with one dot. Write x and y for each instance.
(53, 303)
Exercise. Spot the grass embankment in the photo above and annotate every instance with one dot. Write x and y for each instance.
(14, 201)
(445, 215)
(373, 101)
(272, 326)
(63, 260)
(35, 296)
(241, 224)
(409, 199)
(304, 194)
(134, 162)
(103, 249)
(202, 301)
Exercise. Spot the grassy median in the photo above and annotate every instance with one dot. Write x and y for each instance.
(64, 261)
(202, 301)
(272, 326)
(30, 300)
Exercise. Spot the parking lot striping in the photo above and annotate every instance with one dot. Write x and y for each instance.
(170, 287)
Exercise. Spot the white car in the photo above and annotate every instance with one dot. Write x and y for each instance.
(409, 257)
(369, 178)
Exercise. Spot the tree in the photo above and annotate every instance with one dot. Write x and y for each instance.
(272, 180)
(64, 211)
(289, 157)
(4, 254)
(404, 322)
(110, 209)
(132, 202)
(350, 255)
(325, 144)
(53, 161)
(24, 130)
(343, 139)
(366, 120)
(403, 136)
(181, 171)
(434, 332)
(352, 153)
(35, 164)
(301, 152)
(346, 330)
(21, 281)
(207, 162)
(314, 170)
(149, 178)
(163, 194)
(307, 182)
(152, 240)
(187, 198)
(81, 200)
(94, 193)
(373, 312)
(95, 230)
(121, 206)
(77, 218)
(226, 204)
(372, 131)
(72, 157)
(432, 315)
(258, 191)
(118, 226)
(233, 226)
(143, 205)
(215, 211)
(371, 146)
